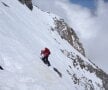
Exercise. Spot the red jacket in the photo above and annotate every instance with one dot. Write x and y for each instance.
(45, 52)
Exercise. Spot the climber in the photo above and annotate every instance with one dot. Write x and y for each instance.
(44, 56)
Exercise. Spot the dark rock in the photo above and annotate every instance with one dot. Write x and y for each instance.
(58, 72)
(28, 3)
(1, 68)
(5, 4)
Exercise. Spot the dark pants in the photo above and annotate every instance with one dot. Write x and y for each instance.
(45, 60)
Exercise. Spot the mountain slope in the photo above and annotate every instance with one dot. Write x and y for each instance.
(23, 33)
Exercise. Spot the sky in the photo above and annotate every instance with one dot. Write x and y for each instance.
(89, 18)
(85, 3)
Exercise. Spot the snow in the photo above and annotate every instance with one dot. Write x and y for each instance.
(23, 33)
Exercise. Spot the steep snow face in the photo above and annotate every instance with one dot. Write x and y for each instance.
(23, 33)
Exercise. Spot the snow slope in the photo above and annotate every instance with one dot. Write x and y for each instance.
(23, 33)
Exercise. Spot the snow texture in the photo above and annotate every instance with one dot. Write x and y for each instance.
(23, 33)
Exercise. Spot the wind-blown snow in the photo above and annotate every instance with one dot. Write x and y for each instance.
(23, 33)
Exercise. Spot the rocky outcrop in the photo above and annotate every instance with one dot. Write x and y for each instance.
(102, 75)
(92, 68)
(28, 3)
(68, 34)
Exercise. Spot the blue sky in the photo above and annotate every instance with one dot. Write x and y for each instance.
(86, 3)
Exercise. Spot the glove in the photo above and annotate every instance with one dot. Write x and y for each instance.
(42, 55)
